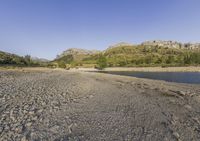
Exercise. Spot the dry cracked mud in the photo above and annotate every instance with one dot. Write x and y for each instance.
(55, 105)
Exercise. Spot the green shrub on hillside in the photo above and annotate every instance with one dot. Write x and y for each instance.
(102, 62)
(62, 64)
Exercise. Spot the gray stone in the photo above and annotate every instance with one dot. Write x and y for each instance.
(176, 135)
(54, 129)
(19, 129)
(28, 124)
(24, 138)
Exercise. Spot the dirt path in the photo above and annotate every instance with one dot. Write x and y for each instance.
(60, 105)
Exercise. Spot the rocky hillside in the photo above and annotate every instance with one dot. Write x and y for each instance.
(172, 44)
(8, 58)
(77, 51)
(145, 54)
(75, 56)
(121, 44)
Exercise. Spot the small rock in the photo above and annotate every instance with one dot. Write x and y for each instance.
(6, 128)
(35, 118)
(28, 124)
(192, 94)
(196, 119)
(43, 103)
(40, 111)
(19, 129)
(75, 139)
(67, 117)
(176, 135)
(54, 129)
(41, 119)
(188, 107)
(34, 136)
(31, 112)
(12, 116)
(182, 93)
(91, 96)
(24, 139)
(70, 128)
(1, 129)
(133, 83)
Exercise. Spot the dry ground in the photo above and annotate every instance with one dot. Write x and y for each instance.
(55, 105)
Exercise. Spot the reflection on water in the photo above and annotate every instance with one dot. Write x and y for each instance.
(180, 77)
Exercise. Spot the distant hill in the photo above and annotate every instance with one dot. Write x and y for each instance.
(77, 51)
(150, 53)
(75, 55)
(16, 60)
(11, 59)
(39, 60)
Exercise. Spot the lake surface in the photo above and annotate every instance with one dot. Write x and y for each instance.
(179, 77)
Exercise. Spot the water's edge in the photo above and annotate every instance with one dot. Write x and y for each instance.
(179, 77)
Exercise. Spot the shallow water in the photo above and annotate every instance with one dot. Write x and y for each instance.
(179, 77)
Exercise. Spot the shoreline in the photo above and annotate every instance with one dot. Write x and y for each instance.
(137, 69)
(146, 69)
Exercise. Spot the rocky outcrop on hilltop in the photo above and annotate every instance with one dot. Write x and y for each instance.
(77, 51)
(160, 43)
(172, 44)
(121, 44)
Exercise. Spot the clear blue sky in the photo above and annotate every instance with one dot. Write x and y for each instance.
(45, 28)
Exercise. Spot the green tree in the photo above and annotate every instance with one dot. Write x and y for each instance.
(27, 59)
(102, 62)
(187, 59)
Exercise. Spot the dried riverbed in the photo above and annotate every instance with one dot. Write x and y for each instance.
(65, 105)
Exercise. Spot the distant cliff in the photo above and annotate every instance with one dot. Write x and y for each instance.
(172, 44)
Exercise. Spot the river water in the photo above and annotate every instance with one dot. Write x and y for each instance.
(179, 77)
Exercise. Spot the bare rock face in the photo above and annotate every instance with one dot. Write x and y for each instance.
(77, 51)
(159, 43)
(120, 45)
(172, 44)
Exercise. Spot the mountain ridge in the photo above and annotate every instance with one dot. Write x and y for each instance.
(172, 44)
(156, 52)
(76, 51)
(159, 43)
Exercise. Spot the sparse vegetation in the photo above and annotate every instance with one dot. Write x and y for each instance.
(62, 64)
(136, 56)
(7, 60)
(123, 56)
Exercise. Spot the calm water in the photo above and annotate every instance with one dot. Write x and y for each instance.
(179, 77)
